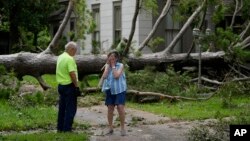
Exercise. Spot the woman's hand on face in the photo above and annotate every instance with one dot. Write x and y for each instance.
(112, 62)
(108, 60)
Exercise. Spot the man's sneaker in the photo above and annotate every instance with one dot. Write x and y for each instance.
(123, 133)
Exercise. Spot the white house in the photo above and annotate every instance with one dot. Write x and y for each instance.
(114, 19)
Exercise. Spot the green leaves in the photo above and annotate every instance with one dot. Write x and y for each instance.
(219, 13)
(169, 82)
(186, 8)
(224, 37)
(150, 5)
(84, 20)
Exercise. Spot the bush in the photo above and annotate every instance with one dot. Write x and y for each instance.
(9, 84)
(48, 98)
(5, 93)
(230, 90)
(169, 82)
(204, 133)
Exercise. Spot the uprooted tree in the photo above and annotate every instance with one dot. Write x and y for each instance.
(230, 48)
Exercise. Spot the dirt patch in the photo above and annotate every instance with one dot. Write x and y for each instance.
(140, 125)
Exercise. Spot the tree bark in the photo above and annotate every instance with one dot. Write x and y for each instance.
(131, 35)
(236, 11)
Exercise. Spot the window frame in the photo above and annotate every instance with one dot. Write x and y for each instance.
(96, 35)
(117, 22)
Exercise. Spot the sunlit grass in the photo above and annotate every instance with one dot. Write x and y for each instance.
(194, 110)
(50, 79)
(93, 80)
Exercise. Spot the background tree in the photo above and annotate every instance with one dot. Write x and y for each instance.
(29, 17)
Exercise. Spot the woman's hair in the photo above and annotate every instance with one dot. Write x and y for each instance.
(115, 53)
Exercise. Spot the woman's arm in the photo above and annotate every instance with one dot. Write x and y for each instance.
(106, 71)
(117, 73)
(104, 75)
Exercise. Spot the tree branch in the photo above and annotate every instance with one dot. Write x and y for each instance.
(211, 81)
(161, 96)
(184, 28)
(131, 35)
(158, 21)
(237, 71)
(208, 80)
(242, 35)
(235, 12)
(59, 32)
(246, 41)
(245, 46)
(42, 83)
(241, 79)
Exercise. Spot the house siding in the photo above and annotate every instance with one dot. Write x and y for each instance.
(145, 25)
(107, 24)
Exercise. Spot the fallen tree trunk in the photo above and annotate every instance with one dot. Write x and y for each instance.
(36, 65)
(161, 60)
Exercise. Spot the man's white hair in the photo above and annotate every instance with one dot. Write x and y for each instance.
(71, 44)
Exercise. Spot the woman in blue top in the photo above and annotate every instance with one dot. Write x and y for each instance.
(114, 87)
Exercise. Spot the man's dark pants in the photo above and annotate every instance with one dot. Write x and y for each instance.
(67, 107)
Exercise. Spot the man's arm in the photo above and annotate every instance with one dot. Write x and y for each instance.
(73, 78)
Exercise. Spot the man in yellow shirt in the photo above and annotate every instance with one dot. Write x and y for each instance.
(67, 79)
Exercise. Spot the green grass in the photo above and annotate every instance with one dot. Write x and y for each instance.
(34, 118)
(26, 118)
(45, 137)
(93, 80)
(50, 79)
(196, 110)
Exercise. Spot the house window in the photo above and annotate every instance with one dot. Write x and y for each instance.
(172, 29)
(96, 17)
(72, 25)
(117, 22)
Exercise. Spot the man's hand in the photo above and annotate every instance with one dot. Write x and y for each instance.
(77, 91)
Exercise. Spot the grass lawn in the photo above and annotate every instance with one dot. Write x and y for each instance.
(50, 79)
(197, 110)
(26, 118)
(45, 137)
(33, 118)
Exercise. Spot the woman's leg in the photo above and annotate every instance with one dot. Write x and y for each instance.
(121, 111)
(110, 116)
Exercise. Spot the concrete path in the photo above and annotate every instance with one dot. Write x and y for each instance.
(140, 126)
